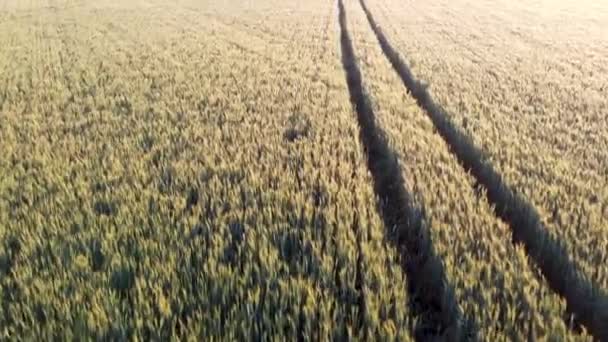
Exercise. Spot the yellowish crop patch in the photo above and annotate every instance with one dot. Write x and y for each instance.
(257, 170)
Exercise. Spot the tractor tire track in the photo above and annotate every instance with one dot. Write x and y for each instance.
(432, 299)
(585, 301)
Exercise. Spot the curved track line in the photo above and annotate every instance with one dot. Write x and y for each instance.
(432, 298)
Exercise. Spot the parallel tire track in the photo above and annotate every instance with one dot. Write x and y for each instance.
(585, 301)
(432, 299)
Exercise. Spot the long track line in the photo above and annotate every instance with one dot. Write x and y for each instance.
(585, 301)
(432, 298)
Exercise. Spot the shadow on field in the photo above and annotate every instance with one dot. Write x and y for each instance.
(587, 303)
(432, 299)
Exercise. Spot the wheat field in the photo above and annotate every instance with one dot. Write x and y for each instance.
(323, 170)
